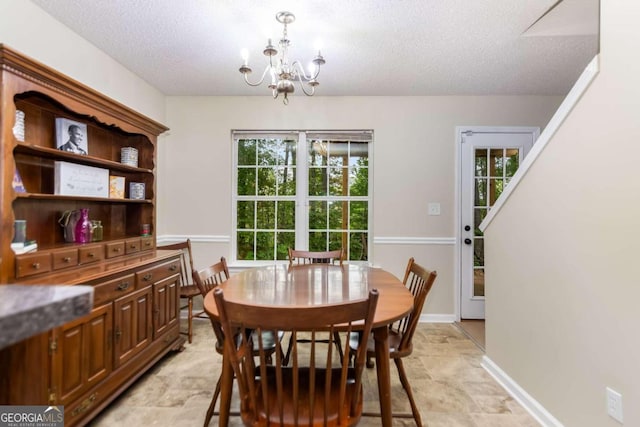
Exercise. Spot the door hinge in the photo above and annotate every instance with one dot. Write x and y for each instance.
(53, 345)
(118, 334)
(52, 396)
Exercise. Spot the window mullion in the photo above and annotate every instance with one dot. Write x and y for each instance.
(302, 201)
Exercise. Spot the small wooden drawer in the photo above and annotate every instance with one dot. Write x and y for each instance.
(113, 289)
(64, 258)
(28, 265)
(89, 254)
(147, 243)
(115, 249)
(132, 245)
(159, 272)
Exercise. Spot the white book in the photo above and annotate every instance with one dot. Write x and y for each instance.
(21, 248)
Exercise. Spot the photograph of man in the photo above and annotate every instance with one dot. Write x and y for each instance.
(71, 136)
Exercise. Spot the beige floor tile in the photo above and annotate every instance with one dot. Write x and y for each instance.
(450, 387)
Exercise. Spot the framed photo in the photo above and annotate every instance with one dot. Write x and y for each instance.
(71, 136)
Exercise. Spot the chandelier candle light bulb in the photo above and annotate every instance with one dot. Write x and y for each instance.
(284, 74)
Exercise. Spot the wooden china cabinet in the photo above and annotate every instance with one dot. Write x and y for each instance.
(86, 363)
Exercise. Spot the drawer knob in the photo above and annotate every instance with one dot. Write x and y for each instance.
(116, 249)
(91, 255)
(147, 277)
(66, 259)
(132, 246)
(36, 265)
(123, 286)
(173, 268)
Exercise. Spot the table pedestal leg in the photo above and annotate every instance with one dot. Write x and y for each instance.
(381, 336)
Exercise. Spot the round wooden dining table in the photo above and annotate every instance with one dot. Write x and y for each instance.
(284, 286)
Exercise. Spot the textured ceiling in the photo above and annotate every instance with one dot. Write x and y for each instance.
(372, 47)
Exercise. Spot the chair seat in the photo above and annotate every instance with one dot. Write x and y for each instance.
(394, 344)
(189, 291)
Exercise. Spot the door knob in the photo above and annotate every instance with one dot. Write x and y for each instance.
(467, 241)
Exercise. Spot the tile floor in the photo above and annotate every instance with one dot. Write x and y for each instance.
(450, 387)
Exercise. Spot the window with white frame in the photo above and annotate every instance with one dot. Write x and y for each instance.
(304, 190)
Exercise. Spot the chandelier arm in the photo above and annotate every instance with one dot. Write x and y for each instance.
(300, 70)
(264, 73)
(302, 86)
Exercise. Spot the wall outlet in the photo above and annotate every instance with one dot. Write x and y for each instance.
(434, 208)
(614, 404)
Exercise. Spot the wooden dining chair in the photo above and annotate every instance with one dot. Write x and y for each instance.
(188, 289)
(300, 257)
(316, 389)
(206, 280)
(419, 281)
(310, 257)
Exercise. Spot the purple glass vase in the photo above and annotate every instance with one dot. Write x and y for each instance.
(83, 227)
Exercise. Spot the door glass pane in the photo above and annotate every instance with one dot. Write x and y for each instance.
(338, 181)
(480, 198)
(478, 282)
(478, 216)
(359, 178)
(481, 162)
(478, 266)
(511, 162)
(496, 162)
(496, 186)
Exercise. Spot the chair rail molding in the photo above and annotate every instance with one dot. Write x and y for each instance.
(414, 240)
(195, 238)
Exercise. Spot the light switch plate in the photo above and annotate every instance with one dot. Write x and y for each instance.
(434, 208)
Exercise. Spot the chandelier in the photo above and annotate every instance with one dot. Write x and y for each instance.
(283, 73)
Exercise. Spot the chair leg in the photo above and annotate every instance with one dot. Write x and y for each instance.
(285, 361)
(405, 383)
(338, 343)
(212, 405)
(190, 320)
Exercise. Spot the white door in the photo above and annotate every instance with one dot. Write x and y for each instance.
(489, 157)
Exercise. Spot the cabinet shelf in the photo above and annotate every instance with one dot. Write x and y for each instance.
(42, 196)
(55, 154)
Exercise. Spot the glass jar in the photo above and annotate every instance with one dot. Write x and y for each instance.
(96, 231)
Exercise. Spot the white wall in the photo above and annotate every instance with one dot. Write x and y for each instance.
(562, 254)
(413, 159)
(33, 32)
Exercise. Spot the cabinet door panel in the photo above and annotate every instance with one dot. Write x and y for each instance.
(132, 326)
(165, 297)
(82, 354)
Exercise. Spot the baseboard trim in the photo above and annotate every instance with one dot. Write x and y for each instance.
(531, 405)
(437, 318)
